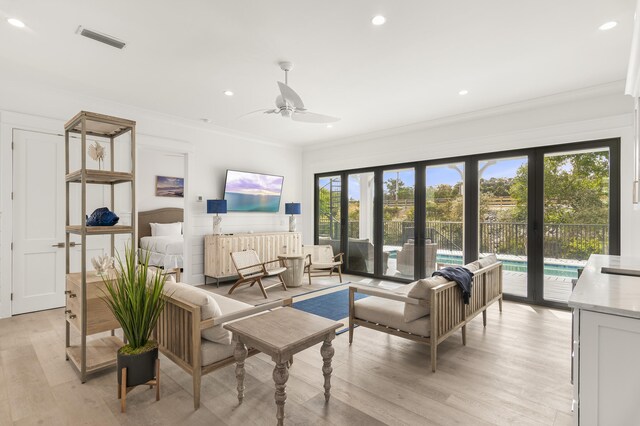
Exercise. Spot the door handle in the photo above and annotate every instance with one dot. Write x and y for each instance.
(73, 244)
(59, 245)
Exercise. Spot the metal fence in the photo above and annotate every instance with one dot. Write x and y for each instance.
(561, 241)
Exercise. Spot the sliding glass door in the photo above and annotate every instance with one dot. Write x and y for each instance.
(360, 246)
(398, 192)
(329, 212)
(503, 218)
(576, 216)
(444, 217)
(542, 211)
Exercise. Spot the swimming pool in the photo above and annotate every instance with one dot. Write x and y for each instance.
(550, 268)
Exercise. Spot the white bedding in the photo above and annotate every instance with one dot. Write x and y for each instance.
(165, 252)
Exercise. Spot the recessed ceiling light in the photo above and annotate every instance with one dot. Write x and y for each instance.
(378, 20)
(16, 22)
(329, 126)
(228, 93)
(608, 25)
(463, 92)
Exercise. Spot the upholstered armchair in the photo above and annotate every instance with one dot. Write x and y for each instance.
(406, 256)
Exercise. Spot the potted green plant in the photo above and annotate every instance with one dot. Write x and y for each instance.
(135, 297)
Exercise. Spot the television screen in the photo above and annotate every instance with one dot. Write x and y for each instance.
(252, 192)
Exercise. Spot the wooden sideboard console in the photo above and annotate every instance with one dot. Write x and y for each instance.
(217, 250)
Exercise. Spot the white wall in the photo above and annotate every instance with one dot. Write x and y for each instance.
(596, 113)
(152, 163)
(209, 153)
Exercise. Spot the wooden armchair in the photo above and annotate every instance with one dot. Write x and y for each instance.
(321, 262)
(251, 270)
(179, 331)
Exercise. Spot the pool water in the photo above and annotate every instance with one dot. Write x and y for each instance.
(552, 269)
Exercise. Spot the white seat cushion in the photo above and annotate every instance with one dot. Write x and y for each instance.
(228, 305)
(390, 313)
(225, 305)
(213, 352)
(421, 290)
(190, 294)
(324, 265)
(488, 260)
(275, 271)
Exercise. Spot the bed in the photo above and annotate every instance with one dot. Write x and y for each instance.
(164, 251)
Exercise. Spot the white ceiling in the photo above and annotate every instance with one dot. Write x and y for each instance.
(181, 56)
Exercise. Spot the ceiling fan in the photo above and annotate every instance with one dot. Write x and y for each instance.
(290, 105)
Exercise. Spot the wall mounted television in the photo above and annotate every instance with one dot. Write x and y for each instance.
(252, 192)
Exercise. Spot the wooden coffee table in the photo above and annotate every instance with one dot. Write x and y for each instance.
(281, 334)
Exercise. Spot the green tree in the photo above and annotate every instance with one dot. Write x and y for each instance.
(576, 189)
(397, 187)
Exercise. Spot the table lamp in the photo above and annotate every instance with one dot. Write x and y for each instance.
(217, 207)
(292, 209)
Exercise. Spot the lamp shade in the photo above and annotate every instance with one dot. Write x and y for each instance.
(216, 206)
(292, 208)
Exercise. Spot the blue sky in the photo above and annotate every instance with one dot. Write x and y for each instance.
(437, 175)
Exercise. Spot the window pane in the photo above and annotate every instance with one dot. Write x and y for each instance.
(399, 225)
(445, 214)
(576, 216)
(503, 206)
(360, 255)
(329, 192)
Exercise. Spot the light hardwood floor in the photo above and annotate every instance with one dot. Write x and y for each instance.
(516, 371)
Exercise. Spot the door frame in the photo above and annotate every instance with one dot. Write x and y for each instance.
(613, 144)
(8, 122)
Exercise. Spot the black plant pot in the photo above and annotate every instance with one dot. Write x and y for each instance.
(140, 368)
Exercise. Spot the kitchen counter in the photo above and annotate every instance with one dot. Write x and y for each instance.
(608, 293)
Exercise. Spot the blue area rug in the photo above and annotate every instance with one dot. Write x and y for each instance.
(334, 306)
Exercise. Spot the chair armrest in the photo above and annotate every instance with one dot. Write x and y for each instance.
(338, 255)
(387, 294)
(307, 257)
(257, 265)
(272, 261)
(212, 322)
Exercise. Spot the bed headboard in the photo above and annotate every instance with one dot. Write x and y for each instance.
(164, 215)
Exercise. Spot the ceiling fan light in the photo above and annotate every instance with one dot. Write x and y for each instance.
(608, 25)
(16, 22)
(378, 20)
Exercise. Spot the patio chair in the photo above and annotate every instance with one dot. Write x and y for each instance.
(406, 258)
(321, 262)
(251, 270)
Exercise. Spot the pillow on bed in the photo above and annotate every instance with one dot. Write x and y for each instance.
(166, 229)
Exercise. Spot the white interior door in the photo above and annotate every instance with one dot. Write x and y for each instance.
(38, 221)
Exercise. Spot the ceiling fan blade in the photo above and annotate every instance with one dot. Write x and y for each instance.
(290, 95)
(312, 117)
(264, 110)
(280, 103)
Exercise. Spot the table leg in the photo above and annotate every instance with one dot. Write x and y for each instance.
(280, 377)
(327, 352)
(240, 354)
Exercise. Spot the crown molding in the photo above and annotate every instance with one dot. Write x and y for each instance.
(616, 87)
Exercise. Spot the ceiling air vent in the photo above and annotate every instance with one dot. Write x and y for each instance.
(102, 38)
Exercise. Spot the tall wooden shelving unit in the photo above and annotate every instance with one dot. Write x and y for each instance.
(85, 311)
